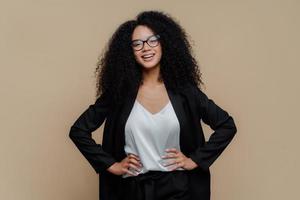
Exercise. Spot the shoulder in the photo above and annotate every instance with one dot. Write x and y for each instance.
(193, 95)
(197, 98)
(104, 99)
(193, 91)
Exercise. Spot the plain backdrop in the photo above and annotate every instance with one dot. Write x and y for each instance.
(248, 52)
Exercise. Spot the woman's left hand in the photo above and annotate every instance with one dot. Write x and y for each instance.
(178, 159)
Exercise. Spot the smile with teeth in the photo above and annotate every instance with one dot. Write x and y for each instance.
(147, 57)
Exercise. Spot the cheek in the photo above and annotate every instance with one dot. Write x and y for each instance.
(159, 55)
(136, 56)
(159, 51)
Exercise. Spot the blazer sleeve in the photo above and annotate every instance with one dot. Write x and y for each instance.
(80, 133)
(219, 121)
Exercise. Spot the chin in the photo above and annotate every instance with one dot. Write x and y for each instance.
(149, 65)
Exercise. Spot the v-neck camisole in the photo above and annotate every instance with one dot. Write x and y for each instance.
(148, 135)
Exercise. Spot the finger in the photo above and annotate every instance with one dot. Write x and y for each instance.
(134, 156)
(135, 162)
(170, 155)
(135, 167)
(174, 166)
(130, 172)
(172, 150)
(180, 164)
(168, 163)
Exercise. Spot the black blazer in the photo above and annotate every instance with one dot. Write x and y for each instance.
(190, 104)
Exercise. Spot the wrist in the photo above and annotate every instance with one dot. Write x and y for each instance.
(111, 168)
(193, 164)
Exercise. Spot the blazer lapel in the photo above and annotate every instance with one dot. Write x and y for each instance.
(177, 103)
(125, 110)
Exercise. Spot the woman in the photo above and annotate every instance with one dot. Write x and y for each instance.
(148, 92)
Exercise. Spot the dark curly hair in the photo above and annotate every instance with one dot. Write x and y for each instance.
(118, 72)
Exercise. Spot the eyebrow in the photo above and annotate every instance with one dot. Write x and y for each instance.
(145, 39)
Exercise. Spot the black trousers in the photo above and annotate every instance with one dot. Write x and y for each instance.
(156, 185)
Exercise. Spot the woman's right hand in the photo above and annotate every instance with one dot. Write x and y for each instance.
(130, 161)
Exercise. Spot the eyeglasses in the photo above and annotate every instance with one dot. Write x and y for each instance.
(152, 41)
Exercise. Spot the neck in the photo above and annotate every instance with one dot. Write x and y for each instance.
(151, 76)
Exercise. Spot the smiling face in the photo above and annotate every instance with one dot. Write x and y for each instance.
(149, 56)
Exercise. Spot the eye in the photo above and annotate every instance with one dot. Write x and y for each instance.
(136, 43)
(153, 41)
(153, 38)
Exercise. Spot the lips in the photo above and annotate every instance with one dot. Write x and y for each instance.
(148, 57)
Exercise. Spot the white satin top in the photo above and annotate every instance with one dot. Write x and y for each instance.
(148, 135)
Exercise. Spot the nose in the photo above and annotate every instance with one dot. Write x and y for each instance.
(146, 46)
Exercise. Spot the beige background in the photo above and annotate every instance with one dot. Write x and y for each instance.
(249, 55)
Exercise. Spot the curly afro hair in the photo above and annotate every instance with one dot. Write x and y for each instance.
(117, 71)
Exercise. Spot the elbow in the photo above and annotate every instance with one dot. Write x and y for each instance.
(72, 133)
(234, 130)
(76, 133)
(233, 127)
(230, 127)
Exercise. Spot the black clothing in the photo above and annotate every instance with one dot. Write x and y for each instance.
(156, 185)
(190, 104)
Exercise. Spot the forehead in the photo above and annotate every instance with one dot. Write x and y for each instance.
(141, 32)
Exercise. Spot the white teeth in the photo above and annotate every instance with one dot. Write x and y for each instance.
(148, 56)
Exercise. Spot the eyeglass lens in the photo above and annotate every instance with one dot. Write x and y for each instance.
(152, 41)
